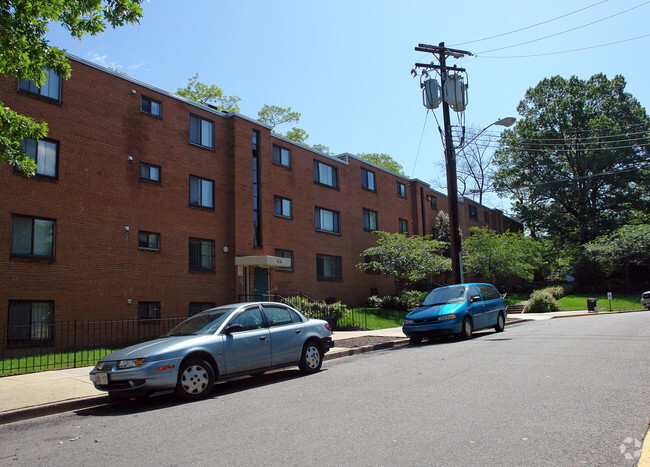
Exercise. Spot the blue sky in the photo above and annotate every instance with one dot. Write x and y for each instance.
(345, 64)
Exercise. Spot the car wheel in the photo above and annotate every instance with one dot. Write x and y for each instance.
(312, 357)
(501, 323)
(416, 340)
(195, 380)
(467, 329)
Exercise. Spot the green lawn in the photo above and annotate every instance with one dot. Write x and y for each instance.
(376, 318)
(52, 361)
(620, 302)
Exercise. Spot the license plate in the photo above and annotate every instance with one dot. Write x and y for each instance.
(101, 379)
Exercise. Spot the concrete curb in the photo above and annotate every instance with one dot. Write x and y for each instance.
(596, 313)
(51, 408)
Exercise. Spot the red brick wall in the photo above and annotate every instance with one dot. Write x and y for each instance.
(98, 265)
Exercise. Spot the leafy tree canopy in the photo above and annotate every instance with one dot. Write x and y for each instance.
(621, 251)
(26, 55)
(405, 258)
(500, 257)
(208, 94)
(383, 160)
(298, 135)
(273, 115)
(573, 164)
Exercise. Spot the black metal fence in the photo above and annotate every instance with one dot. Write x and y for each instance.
(69, 344)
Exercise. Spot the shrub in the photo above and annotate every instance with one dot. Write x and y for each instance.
(541, 301)
(557, 292)
(410, 299)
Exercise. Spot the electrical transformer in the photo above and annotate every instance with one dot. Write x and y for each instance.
(455, 92)
(431, 94)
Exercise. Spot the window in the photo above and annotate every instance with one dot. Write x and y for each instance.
(150, 106)
(489, 292)
(149, 240)
(370, 269)
(401, 190)
(369, 220)
(403, 226)
(284, 254)
(257, 215)
(473, 212)
(149, 172)
(434, 202)
(201, 255)
(148, 310)
(44, 153)
(328, 268)
(281, 156)
(198, 307)
(281, 206)
(201, 132)
(486, 216)
(327, 221)
(326, 174)
(368, 179)
(33, 237)
(50, 89)
(279, 316)
(201, 192)
(249, 319)
(30, 321)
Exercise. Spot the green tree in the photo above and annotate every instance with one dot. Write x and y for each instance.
(298, 135)
(208, 94)
(498, 258)
(322, 148)
(383, 160)
(26, 55)
(273, 115)
(624, 255)
(573, 163)
(405, 258)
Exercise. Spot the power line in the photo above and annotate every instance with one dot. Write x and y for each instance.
(566, 51)
(566, 31)
(531, 26)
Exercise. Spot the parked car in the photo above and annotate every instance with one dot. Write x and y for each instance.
(456, 309)
(220, 343)
(645, 299)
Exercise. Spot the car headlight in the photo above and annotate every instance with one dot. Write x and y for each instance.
(408, 321)
(124, 364)
(446, 317)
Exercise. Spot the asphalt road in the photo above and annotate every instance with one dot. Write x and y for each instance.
(558, 392)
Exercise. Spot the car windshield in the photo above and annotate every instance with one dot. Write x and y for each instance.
(202, 323)
(445, 295)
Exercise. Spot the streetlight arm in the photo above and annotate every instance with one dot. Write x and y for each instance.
(506, 122)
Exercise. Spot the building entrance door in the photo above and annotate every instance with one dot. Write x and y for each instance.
(261, 283)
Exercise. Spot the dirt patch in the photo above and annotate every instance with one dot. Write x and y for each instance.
(364, 341)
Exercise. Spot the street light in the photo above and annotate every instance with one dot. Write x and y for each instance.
(506, 122)
(452, 191)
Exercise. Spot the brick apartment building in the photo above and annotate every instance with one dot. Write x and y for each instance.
(146, 204)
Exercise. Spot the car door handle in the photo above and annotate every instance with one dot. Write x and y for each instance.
(298, 331)
(262, 338)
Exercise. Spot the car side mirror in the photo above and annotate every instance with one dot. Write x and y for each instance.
(233, 328)
(475, 299)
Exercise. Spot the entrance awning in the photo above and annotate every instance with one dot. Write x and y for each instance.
(263, 261)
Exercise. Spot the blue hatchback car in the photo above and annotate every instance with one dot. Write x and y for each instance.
(456, 309)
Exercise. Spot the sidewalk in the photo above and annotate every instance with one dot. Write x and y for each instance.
(48, 392)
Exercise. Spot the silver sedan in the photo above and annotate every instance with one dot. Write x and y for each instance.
(220, 343)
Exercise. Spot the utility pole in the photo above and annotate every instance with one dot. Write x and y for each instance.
(450, 154)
